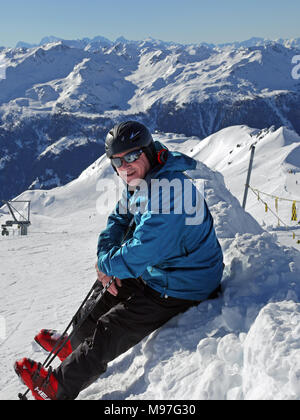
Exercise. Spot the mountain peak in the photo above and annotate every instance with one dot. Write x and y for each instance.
(251, 42)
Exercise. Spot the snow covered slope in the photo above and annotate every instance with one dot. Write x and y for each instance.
(244, 345)
(276, 172)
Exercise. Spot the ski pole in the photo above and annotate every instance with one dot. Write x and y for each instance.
(47, 362)
(76, 328)
(62, 342)
(70, 324)
(23, 396)
(51, 355)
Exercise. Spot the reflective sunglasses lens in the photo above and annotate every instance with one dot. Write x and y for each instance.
(129, 158)
(133, 156)
(117, 162)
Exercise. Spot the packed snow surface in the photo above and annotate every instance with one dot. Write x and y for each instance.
(244, 345)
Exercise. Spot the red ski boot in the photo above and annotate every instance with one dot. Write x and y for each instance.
(48, 339)
(42, 383)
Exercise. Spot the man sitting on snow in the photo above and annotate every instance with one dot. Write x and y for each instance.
(166, 264)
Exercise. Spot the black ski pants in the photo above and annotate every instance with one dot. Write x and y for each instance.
(116, 324)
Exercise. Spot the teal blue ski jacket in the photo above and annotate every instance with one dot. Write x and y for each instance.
(173, 246)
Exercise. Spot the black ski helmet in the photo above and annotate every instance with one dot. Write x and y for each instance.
(130, 135)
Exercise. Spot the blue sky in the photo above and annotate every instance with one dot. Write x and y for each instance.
(185, 21)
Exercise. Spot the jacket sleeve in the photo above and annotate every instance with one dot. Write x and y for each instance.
(117, 227)
(150, 245)
(152, 242)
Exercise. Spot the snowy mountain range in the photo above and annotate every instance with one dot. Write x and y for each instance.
(252, 42)
(242, 346)
(58, 99)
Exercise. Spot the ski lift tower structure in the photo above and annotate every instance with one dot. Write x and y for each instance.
(23, 222)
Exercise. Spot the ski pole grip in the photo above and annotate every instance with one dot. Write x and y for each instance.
(105, 289)
(107, 286)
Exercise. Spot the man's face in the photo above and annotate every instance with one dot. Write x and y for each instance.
(133, 172)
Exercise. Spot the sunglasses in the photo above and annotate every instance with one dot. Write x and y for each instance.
(129, 158)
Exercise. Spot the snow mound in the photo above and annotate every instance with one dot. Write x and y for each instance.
(272, 354)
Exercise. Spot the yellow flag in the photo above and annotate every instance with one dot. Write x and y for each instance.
(294, 212)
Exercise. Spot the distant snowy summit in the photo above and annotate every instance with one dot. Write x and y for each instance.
(59, 99)
(252, 42)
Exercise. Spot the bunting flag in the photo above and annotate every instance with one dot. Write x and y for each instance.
(269, 209)
(294, 212)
